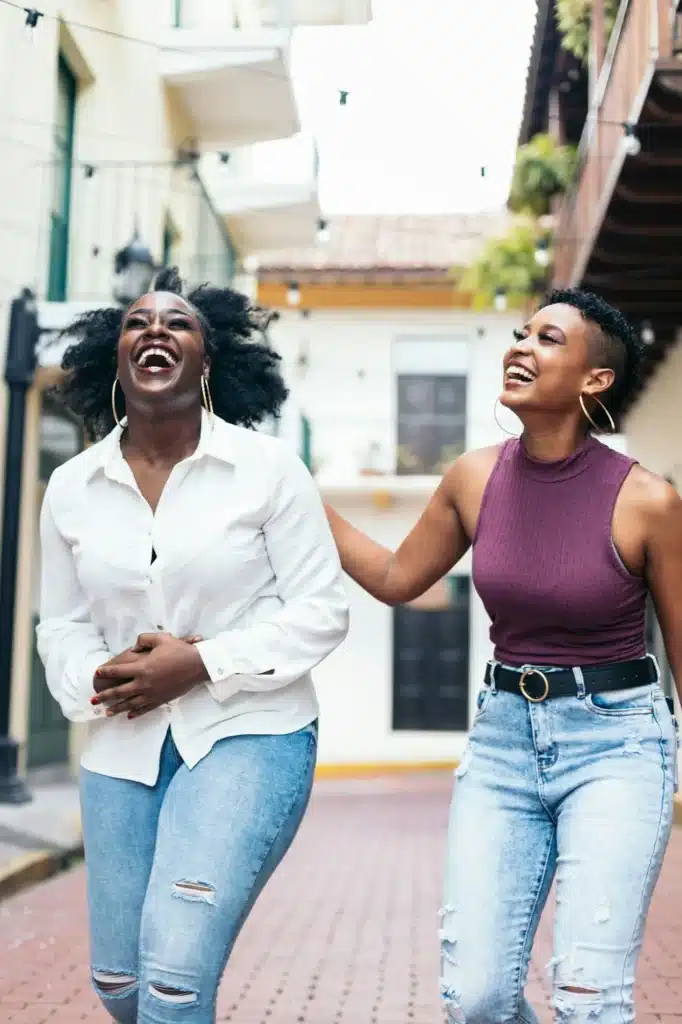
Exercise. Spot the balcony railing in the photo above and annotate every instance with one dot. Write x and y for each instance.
(642, 35)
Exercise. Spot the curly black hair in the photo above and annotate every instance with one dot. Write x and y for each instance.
(245, 379)
(614, 343)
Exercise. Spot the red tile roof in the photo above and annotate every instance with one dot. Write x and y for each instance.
(367, 243)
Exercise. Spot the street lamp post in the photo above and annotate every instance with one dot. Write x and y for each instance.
(19, 369)
(135, 269)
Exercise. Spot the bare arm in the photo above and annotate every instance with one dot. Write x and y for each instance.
(664, 568)
(435, 544)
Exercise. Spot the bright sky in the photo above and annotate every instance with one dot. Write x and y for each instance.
(435, 94)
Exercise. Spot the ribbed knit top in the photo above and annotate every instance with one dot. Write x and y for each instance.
(545, 565)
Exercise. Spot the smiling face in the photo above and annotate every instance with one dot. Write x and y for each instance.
(552, 363)
(161, 355)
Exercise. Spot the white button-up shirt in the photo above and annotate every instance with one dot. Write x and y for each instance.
(244, 559)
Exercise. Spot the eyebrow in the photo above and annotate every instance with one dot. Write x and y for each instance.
(166, 312)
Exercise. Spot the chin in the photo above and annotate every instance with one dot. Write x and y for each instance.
(513, 398)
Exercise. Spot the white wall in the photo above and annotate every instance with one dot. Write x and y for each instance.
(654, 426)
(355, 683)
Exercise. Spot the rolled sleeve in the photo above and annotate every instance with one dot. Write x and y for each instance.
(313, 618)
(70, 646)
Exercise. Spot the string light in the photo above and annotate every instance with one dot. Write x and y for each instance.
(33, 16)
(293, 294)
(500, 300)
(343, 97)
(542, 253)
(631, 143)
(323, 233)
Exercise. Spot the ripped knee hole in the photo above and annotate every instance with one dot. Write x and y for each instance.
(167, 994)
(113, 984)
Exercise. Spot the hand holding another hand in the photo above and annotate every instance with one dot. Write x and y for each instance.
(157, 669)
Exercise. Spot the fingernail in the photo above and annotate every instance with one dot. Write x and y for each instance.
(98, 673)
(95, 700)
(131, 714)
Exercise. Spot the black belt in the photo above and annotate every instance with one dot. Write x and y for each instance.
(536, 685)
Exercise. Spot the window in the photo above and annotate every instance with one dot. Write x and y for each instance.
(215, 257)
(431, 659)
(61, 184)
(431, 422)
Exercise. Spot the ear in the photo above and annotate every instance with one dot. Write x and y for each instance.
(599, 381)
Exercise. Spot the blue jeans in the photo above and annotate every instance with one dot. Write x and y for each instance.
(174, 869)
(580, 788)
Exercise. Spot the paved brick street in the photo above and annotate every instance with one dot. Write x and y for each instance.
(345, 934)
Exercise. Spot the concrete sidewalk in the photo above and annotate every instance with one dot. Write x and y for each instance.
(346, 933)
(36, 839)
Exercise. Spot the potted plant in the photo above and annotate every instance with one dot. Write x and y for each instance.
(543, 170)
(508, 272)
(573, 21)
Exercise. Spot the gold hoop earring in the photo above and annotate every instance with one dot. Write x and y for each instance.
(497, 420)
(113, 402)
(606, 412)
(206, 395)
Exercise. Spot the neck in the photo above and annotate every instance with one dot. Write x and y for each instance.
(552, 441)
(162, 441)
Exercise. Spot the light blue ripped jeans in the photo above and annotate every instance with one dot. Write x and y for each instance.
(174, 869)
(580, 788)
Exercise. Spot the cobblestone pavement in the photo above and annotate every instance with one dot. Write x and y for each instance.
(344, 934)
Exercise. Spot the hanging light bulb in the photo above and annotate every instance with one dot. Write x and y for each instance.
(343, 97)
(33, 16)
(647, 332)
(323, 233)
(631, 142)
(293, 294)
(500, 300)
(542, 256)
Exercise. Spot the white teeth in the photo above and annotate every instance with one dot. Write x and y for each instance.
(168, 359)
(518, 373)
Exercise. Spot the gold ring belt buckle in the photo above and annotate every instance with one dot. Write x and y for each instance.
(522, 685)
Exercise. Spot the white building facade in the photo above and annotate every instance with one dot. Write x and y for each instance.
(390, 397)
(125, 118)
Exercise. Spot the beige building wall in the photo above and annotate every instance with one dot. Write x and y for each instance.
(654, 427)
(124, 115)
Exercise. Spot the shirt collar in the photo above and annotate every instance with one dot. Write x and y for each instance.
(215, 441)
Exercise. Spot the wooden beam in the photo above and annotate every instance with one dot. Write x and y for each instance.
(643, 197)
(632, 283)
(365, 296)
(645, 230)
(646, 253)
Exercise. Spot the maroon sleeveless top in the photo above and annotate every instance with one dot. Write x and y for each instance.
(545, 565)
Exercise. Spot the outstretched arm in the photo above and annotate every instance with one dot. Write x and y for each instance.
(436, 543)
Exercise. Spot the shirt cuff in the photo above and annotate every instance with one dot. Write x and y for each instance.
(80, 689)
(223, 672)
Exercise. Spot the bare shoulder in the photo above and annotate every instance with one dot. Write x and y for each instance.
(650, 495)
(465, 483)
(472, 468)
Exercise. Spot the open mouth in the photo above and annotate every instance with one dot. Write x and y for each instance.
(156, 359)
(518, 375)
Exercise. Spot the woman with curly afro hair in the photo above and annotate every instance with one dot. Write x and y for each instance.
(190, 584)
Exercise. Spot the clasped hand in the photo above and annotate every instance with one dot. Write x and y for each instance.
(159, 668)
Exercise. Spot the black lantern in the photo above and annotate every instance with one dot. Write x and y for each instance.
(135, 268)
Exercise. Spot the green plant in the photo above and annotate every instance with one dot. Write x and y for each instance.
(543, 170)
(509, 265)
(573, 21)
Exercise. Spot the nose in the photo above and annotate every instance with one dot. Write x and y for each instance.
(156, 327)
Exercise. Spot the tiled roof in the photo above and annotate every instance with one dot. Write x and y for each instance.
(383, 242)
